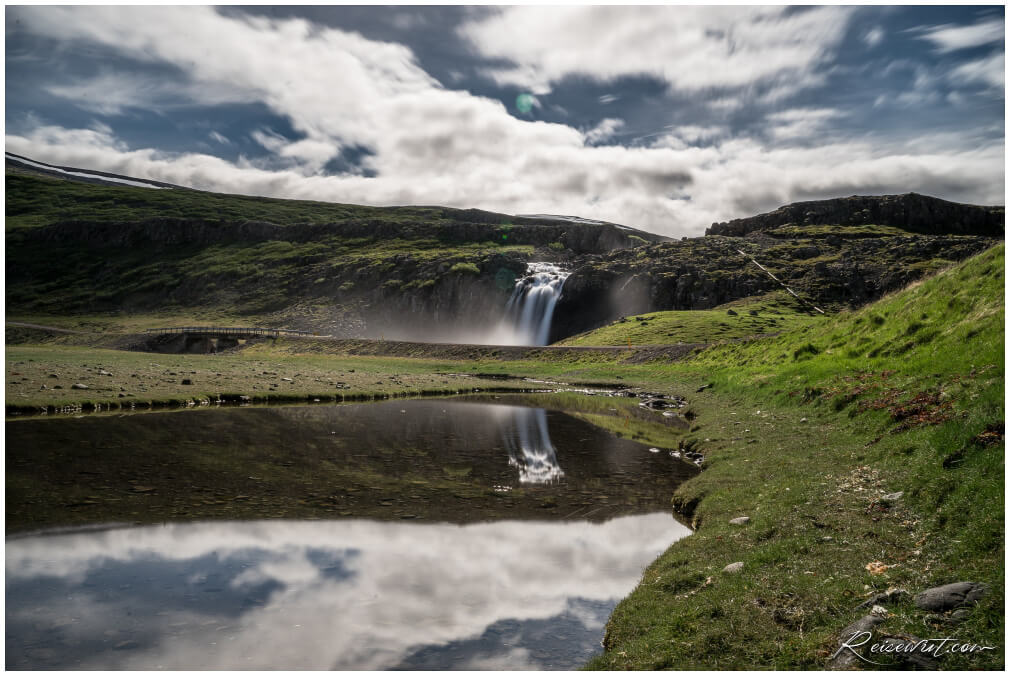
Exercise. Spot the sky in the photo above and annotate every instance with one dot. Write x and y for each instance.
(664, 118)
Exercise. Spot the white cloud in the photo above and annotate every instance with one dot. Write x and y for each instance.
(112, 93)
(949, 38)
(219, 137)
(874, 36)
(604, 131)
(801, 122)
(989, 71)
(430, 145)
(691, 48)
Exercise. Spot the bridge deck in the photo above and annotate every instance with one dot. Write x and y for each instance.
(239, 331)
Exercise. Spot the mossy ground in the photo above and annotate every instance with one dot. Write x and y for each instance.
(771, 313)
(903, 395)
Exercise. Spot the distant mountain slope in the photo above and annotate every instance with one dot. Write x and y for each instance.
(82, 175)
(910, 212)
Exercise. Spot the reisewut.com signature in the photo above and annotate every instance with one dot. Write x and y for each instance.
(932, 647)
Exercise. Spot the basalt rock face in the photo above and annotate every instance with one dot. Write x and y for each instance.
(911, 212)
(831, 269)
(575, 237)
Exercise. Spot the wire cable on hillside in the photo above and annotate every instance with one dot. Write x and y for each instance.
(782, 284)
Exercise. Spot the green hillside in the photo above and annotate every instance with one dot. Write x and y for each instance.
(770, 313)
(810, 429)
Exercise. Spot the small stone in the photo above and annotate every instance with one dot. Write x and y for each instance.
(78, 386)
(103, 372)
(960, 615)
(879, 611)
(53, 375)
(740, 520)
(187, 381)
(948, 596)
(892, 497)
(803, 419)
(733, 568)
(287, 380)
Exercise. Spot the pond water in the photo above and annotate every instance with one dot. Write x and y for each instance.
(475, 535)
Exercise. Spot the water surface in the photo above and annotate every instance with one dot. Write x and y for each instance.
(449, 534)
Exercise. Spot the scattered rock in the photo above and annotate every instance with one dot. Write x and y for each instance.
(79, 386)
(906, 651)
(287, 380)
(847, 657)
(731, 313)
(53, 375)
(879, 611)
(734, 568)
(704, 387)
(888, 596)
(949, 596)
(103, 372)
(740, 520)
(892, 497)
(187, 381)
(803, 419)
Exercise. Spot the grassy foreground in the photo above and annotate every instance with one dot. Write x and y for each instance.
(803, 432)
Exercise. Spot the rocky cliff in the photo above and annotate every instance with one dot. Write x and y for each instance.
(910, 212)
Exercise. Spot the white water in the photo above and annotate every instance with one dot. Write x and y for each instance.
(530, 448)
(530, 310)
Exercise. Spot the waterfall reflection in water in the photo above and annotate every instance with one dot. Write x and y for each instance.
(529, 445)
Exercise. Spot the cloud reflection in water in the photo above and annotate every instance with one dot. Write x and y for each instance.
(350, 594)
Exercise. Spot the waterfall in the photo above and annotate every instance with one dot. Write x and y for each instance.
(530, 448)
(531, 307)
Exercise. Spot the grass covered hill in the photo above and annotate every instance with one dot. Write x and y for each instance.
(805, 432)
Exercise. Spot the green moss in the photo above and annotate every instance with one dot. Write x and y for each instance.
(465, 269)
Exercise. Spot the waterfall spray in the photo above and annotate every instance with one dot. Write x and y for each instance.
(531, 307)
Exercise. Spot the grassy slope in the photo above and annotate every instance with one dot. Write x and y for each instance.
(771, 313)
(49, 280)
(41, 200)
(899, 396)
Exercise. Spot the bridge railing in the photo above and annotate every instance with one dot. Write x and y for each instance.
(232, 331)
